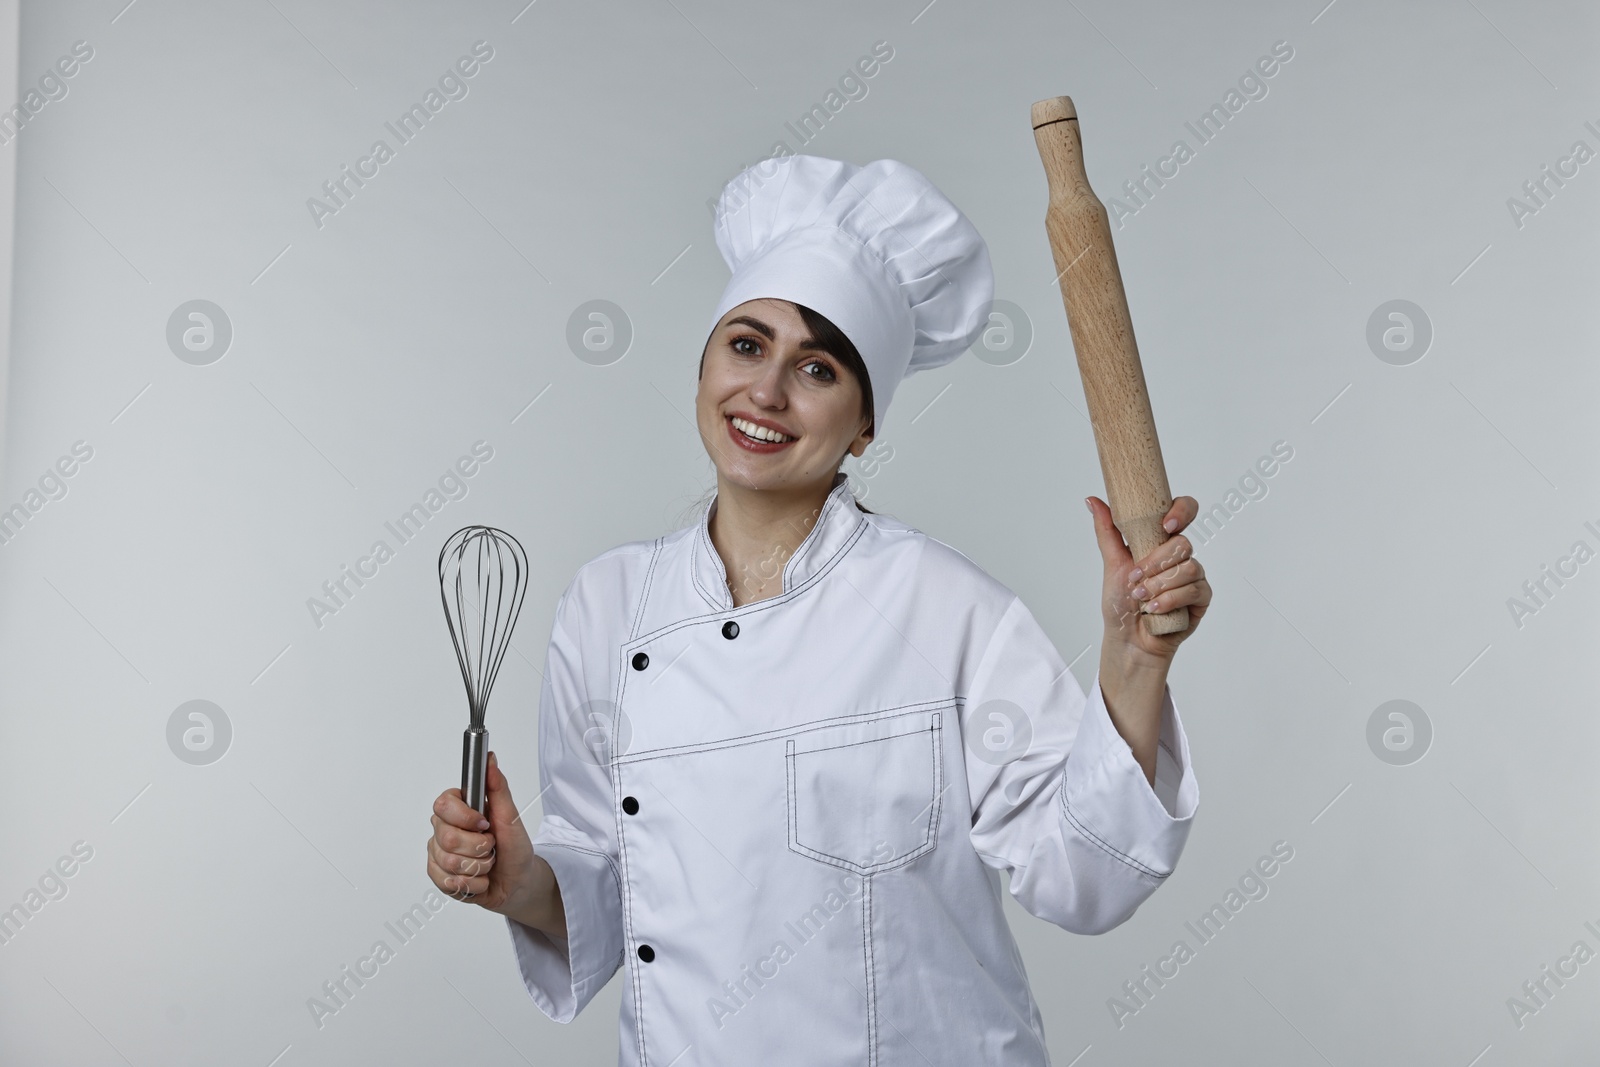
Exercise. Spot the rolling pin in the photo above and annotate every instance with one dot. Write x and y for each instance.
(1102, 336)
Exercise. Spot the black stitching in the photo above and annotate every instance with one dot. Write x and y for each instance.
(806, 548)
(937, 742)
(616, 876)
(759, 605)
(703, 538)
(929, 842)
(738, 740)
(627, 905)
(869, 958)
(610, 860)
(1106, 846)
(869, 740)
(644, 592)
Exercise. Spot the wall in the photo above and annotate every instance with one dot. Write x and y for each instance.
(1415, 486)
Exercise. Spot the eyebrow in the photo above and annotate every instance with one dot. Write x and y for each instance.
(809, 344)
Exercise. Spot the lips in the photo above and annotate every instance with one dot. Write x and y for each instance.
(751, 444)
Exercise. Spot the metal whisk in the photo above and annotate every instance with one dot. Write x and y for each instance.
(483, 576)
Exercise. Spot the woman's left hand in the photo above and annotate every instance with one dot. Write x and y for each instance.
(1167, 578)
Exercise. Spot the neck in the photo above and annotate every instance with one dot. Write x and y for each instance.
(755, 531)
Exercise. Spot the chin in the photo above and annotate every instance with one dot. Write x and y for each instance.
(746, 480)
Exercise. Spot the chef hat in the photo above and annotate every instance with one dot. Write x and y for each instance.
(877, 250)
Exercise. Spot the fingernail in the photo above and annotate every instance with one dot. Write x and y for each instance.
(1139, 592)
(1170, 525)
(1136, 574)
(1088, 505)
(483, 824)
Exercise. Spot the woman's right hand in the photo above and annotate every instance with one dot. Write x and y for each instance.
(490, 862)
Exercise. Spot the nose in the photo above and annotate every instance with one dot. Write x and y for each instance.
(767, 390)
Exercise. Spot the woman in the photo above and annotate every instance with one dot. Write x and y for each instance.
(787, 750)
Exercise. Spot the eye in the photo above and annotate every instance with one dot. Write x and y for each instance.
(827, 371)
(737, 341)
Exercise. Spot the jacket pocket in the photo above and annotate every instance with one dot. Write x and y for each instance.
(865, 796)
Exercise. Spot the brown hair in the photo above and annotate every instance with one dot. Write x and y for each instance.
(840, 347)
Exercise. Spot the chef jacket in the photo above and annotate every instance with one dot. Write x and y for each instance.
(786, 820)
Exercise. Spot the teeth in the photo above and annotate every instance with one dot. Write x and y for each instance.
(760, 433)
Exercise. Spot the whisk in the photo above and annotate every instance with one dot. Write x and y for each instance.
(483, 576)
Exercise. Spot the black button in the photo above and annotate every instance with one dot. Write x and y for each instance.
(640, 661)
(730, 629)
(646, 953)
(630, 805)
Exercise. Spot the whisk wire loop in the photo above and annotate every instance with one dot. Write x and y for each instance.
(482, 582)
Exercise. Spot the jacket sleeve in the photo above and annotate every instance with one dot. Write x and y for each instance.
(1057, 799)
(576, 835)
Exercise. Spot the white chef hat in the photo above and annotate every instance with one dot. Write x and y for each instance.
(877, 250)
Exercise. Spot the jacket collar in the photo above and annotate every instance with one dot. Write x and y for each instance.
(835, 529)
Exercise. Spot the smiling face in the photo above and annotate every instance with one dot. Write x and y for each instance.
(776, 411)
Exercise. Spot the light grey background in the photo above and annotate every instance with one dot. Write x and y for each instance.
(432, 310)
(10, 19)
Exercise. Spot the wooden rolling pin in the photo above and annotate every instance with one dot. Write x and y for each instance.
(1102, 336)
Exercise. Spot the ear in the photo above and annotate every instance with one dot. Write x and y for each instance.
(863, 439)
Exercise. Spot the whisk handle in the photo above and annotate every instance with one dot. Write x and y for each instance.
(475, 768)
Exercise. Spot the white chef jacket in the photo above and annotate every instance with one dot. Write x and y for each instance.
(787, 820)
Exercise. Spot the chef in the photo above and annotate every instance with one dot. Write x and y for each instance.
(786, 751)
